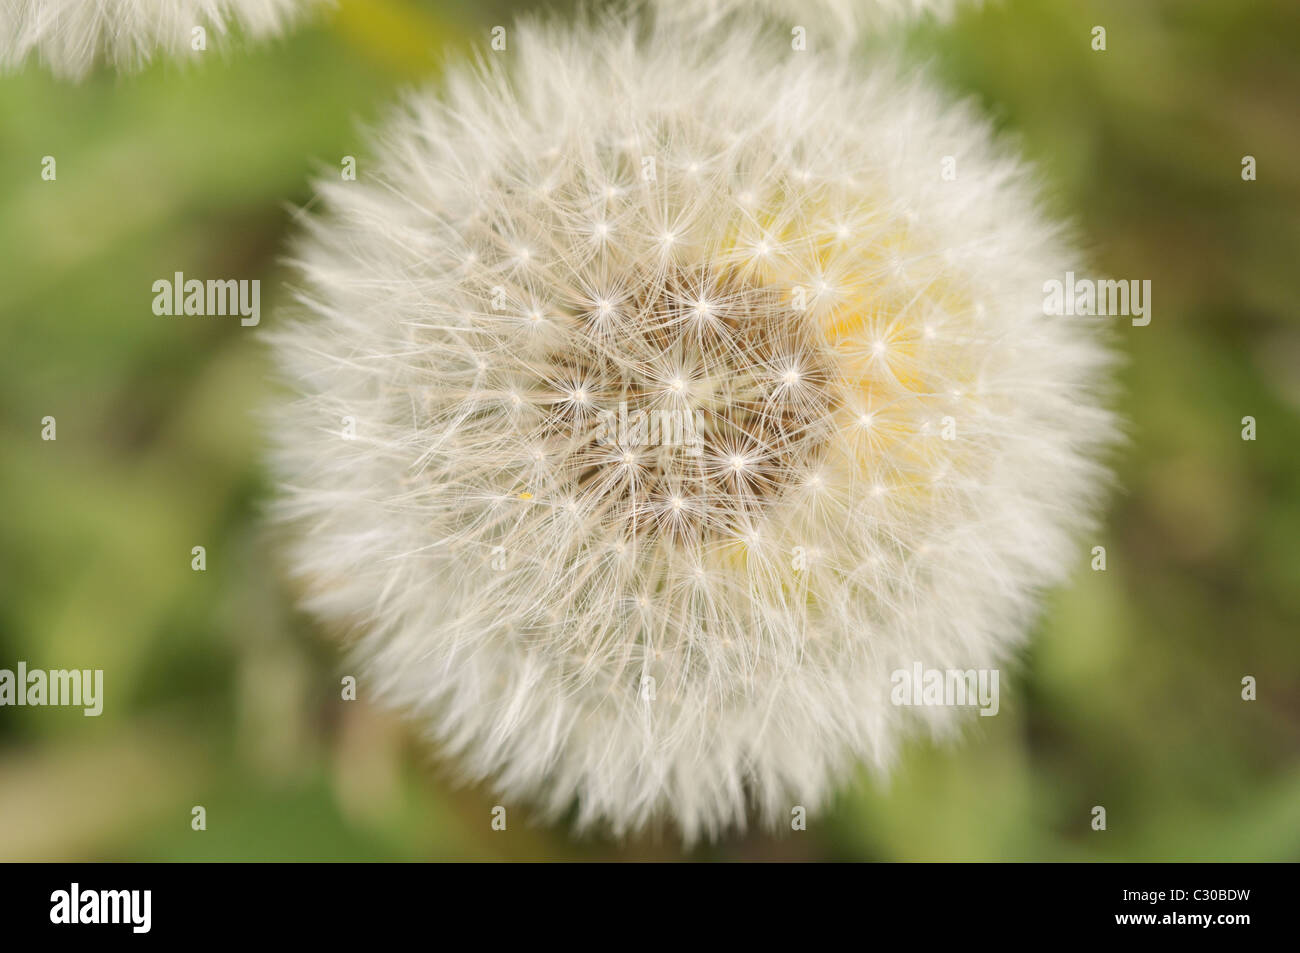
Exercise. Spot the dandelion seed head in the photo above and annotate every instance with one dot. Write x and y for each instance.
(636, 550)
(832, 23)
(73, 36)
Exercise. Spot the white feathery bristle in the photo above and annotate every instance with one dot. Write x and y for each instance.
(73, 36)
(838, 23)
(883, 449)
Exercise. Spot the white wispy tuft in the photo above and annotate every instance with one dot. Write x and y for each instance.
(74, 36)
(657, 396)
(838, 23)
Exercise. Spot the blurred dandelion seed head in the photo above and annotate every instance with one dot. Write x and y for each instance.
(73, 36)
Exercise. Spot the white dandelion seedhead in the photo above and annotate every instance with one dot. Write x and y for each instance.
(839, 22)
(72, 36)
(690, 401)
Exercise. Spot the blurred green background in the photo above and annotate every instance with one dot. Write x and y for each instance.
(220, 694)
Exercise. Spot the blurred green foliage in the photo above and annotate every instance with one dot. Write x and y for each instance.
(220, 694)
